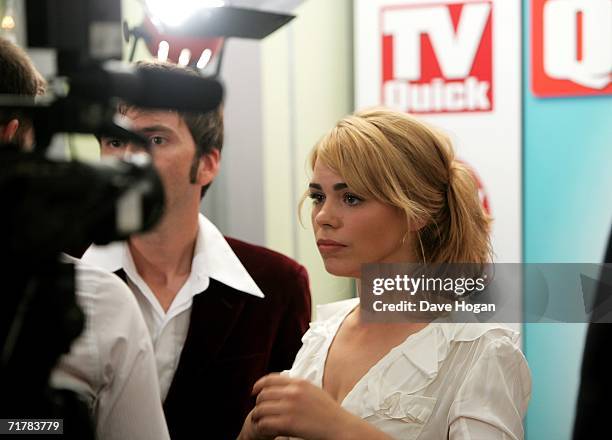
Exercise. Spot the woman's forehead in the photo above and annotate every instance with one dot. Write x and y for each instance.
(323, 172)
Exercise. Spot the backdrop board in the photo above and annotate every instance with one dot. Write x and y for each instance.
(456, 64)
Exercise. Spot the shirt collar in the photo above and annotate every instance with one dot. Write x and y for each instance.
(213, 258)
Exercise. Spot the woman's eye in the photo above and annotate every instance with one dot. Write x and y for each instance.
(352, 200)
(316, 198)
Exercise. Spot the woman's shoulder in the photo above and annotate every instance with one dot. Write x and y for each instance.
(478, 332)
(481, 347)
(336, 309)
(478, 340)
(327, 320)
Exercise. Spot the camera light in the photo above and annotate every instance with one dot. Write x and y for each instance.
(204, 58)
(163, 50)
(8, 22)
(174, 13)
(184, 57)
(8, 19)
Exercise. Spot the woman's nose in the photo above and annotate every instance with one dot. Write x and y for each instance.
(328, 216)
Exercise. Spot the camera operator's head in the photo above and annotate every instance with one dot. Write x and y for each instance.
(18, 76)
(185, 147)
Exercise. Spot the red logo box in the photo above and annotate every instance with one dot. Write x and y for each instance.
(437, 58)
(571, 49)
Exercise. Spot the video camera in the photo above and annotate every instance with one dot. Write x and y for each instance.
(53, 206)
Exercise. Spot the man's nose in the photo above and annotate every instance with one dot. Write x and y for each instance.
(132, 148)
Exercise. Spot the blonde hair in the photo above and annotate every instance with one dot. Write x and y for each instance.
(398, 160)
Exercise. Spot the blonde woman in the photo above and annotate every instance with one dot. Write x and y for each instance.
(386, 188)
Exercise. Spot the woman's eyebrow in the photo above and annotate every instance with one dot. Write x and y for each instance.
(336, 187)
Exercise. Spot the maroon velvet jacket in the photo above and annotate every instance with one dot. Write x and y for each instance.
(234, 339)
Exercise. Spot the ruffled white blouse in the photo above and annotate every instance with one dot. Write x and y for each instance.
(447, 381)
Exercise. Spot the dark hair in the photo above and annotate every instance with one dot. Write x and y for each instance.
(206, 128)
(18, 76)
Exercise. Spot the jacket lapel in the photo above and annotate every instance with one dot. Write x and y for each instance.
(213, 316)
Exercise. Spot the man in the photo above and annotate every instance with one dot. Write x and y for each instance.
(111, 365)
(221, 312)
(593, 404)
(19, 77)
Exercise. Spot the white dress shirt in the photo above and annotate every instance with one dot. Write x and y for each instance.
(213, 258)
(111, 365)
(447, 381)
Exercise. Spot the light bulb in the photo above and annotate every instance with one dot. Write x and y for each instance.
(204, 58)
(8, 22)
(162, 51)
(184, 57)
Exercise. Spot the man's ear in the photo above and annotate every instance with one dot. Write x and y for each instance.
(208, 167)
(7, 132)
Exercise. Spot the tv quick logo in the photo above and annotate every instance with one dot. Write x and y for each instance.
(578, 41)
(437, 57)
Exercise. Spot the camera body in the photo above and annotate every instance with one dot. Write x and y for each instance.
(54, 207)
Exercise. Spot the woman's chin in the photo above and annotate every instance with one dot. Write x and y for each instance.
(341, 270)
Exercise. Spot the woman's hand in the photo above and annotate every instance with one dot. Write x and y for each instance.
(249, 432)
(296, 408)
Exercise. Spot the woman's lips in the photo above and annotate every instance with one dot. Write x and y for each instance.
(329, 246)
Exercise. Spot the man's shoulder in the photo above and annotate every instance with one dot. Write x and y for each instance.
(268, 268)
(103, 292)
(94, 280)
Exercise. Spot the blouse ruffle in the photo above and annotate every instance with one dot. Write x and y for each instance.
(391, 388)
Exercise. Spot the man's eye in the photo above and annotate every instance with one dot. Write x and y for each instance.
(316, 198)
(352, 200)
(115, 143)
(157, 140)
